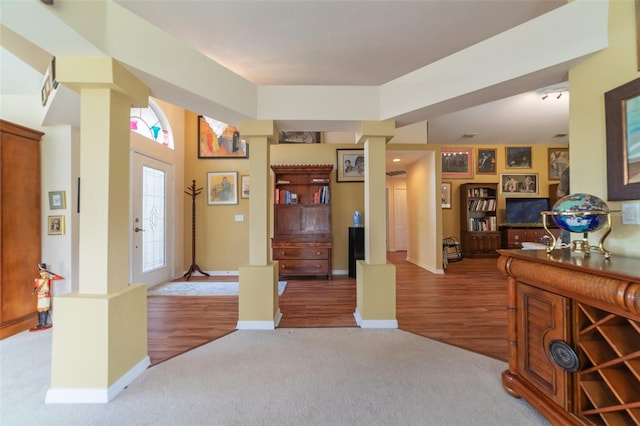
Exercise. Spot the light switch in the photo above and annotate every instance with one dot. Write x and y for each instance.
(239, 218)
(631, 214)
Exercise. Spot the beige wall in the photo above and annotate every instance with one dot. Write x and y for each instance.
(539, 162)
(588, 82)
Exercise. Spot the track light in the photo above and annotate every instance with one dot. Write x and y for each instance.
(546, 95)
(559, 94)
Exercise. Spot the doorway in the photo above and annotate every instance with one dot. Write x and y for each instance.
(152, 220)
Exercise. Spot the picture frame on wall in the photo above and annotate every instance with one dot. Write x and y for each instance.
(350, 165)
(518, 183)
(219, 140)
(622, 115)
(558, 161)
(446, 195)
(244, 186)
(518, 157)
(222, 188)
(299, 137)
(457, 163)
(57, 200)
(486, 163)
(55, 225)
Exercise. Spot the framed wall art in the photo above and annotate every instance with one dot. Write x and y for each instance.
(518, 183)
(446, 195)
(222, 188)
(244, 186)
(518, 157)
(457, 162)
(55, 225)
(558, 160)
(350, 167)
(57, 200)
(220, 140)
(486, 161)
(299, 137)
(622, 114)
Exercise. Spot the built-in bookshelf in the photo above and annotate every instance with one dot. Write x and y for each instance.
(478, 223)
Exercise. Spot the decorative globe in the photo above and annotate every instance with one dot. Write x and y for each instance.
(590, 213)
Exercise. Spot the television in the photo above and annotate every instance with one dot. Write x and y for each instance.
(525, 211)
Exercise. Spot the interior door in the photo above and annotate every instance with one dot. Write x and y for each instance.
(400, 203)
(151, 221)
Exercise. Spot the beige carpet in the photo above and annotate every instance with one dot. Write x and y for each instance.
(329, 376)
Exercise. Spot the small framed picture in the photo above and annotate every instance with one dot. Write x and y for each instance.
(244, 186)
(350, 167)
(457, 163)
(558, 162)
(518, 157)
(222, 188)
(486, 163)
(446, 195)
(55, 225)
(57, 200)
(519, 183)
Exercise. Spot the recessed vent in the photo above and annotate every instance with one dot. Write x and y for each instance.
(396, 173)
(560, 135)
(469, 135)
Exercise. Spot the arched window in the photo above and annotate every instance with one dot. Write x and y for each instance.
(152, 123)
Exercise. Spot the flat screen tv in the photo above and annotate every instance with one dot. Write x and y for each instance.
(525, 211)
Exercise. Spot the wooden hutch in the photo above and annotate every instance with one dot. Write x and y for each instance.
(574, 335)
(20, 226)
(302, 220)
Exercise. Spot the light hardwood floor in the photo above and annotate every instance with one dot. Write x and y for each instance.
(465, 307)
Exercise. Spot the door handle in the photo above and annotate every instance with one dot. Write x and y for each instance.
(138, 229)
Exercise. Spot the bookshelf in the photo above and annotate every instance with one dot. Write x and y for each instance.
(479, 232)
(302, 240)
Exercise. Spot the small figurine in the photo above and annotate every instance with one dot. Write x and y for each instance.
(41, 288)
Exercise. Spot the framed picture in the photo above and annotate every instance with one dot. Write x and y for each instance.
(486, 161)
(350, 167)
(446, 195)
(518, 183)
(622, 112)
(55, 225)
(244, 186)
(222, 188)
(299, 137)
(57, 200)
(457, 162)
(518, 157)
(220, 140)
(558, 159)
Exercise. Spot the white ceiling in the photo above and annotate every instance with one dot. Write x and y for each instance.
(354, 42)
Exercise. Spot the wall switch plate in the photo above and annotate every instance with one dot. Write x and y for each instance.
(631, 214)
(239, 218)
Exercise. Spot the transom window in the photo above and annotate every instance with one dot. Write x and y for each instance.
(151, 123)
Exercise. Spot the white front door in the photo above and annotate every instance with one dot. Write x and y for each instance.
(151, 221)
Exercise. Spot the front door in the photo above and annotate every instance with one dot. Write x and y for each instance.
(151, 221)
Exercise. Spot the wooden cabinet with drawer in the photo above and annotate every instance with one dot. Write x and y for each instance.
(302, 258)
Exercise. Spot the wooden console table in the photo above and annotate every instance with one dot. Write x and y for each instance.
(574, 335)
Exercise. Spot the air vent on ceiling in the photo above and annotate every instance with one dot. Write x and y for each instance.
(560, 135)
(396, 173)
(469, 135)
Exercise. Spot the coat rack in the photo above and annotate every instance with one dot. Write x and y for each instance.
(193, 193)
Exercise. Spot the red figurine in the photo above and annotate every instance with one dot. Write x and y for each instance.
(42, 288)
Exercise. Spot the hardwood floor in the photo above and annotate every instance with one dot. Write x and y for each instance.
(465, 307)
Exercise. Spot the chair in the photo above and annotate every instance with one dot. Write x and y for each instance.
(451, 251)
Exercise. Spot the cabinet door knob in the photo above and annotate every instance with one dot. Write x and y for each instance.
(317, 253)
(283, 266)
(283, 253)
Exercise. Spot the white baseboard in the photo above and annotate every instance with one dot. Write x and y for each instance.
(96, 395)
(439, 271)
(260, 325)
(373, 323)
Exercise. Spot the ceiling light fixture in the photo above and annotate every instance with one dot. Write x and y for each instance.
(396, 160)
(559, 94)
(546, 95)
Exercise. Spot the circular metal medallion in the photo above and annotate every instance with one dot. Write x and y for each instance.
(564, 356)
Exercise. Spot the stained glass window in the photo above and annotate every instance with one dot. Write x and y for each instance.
(152, 123)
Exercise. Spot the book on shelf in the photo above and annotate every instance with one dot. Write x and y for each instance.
(319, 180)
(488, 223)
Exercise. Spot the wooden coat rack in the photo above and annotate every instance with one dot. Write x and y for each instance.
(193, 193)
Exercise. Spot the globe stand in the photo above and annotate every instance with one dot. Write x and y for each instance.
(580, 246)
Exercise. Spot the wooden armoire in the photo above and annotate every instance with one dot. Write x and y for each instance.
(19, 225)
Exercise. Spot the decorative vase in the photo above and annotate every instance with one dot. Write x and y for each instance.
(357, 219)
